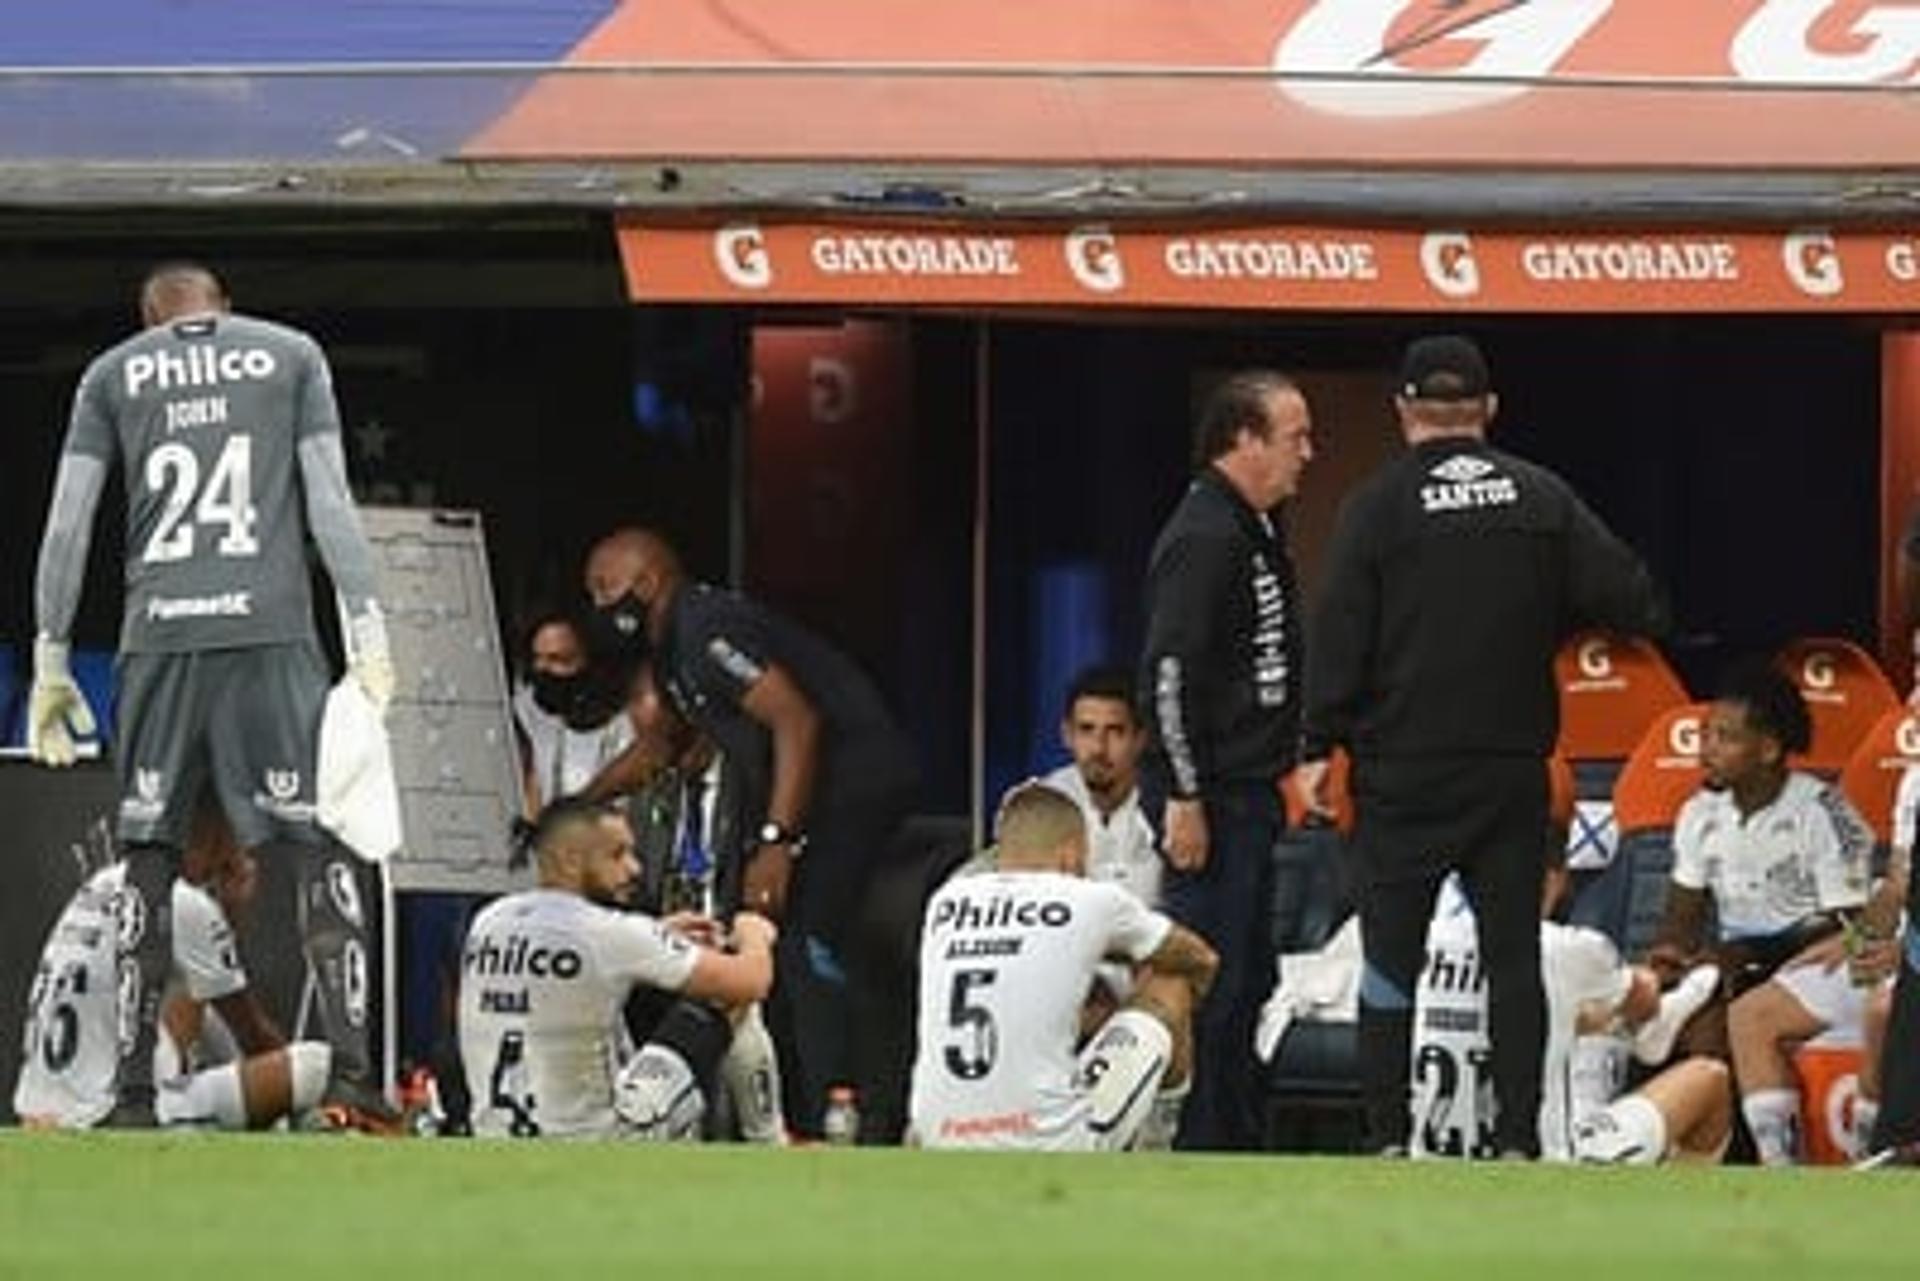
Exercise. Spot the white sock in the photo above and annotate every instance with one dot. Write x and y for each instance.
(209, 1098)
(309, 1064)
(1163, 1119)
(1866, 1113)
(752, 1076)
(1773, 1116)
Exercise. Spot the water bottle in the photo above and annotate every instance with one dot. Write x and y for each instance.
(841, 1125)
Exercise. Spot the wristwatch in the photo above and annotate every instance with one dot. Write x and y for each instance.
(773, 833)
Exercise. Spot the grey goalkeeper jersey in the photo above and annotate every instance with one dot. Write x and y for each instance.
(208, 414)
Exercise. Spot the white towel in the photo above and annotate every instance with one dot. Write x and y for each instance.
(358, 799)
(1314, 987)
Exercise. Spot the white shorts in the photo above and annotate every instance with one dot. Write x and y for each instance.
(1827, 994)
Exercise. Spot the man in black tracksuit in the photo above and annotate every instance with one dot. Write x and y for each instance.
(1453, 575)
(1221, 675)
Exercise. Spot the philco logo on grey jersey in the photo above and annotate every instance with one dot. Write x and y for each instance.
(203, 365)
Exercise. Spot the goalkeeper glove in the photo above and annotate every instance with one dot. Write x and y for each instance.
(56, 709)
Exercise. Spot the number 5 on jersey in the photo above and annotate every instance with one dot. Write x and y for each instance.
(971, 1057)
(225, 501)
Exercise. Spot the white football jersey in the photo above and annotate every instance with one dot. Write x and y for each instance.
(73, 1027)
(543, 979)
(1454, 1104)
(1807, 852)
(1005, 962)
(1120, 846)
(1452, 1069)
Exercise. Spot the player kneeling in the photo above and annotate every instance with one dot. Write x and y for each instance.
(1006, 960)
(74, 1012)
(547, 972)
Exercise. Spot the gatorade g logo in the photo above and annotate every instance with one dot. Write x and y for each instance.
(1906, 736)
(1447, 258)
(741, 251)
(1684, 736)
(1813, 263)
(1782, 42)
(1394, 40)
(1817, 671)
(1093, 255)
(1837, 1109)
(1595, 662)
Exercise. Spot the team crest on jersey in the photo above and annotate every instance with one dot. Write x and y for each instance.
(280, 790)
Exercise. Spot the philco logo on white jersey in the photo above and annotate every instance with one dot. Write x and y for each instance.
(741, 252)
(1447, 259)
(1813, 263)
(1467, 483)
(1093, 255)
(202, 365)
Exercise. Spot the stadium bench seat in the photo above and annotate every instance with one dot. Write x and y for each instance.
(1611, 689)
(1871, 778)
(1626, 899)
(1846, 695)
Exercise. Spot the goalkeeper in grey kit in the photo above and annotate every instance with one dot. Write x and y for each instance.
(229, 435)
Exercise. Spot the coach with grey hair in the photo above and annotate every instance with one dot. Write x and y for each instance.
(1453, 574)
(1221, 676)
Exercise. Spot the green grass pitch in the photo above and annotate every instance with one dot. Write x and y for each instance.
(142, 1207)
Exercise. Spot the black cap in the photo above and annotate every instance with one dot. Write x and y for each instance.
(1444, 367)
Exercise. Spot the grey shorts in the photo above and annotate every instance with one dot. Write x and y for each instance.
(245, 720)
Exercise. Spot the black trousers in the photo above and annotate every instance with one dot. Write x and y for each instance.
(1900, 1058)
(1416, 820)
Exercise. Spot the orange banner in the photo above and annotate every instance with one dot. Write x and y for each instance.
(1426, 84)
(1296, 268)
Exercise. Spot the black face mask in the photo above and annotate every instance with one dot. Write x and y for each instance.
(620, 628)
(561, 695)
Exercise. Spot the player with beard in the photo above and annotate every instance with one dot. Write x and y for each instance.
(1103, 731)
(546, 972)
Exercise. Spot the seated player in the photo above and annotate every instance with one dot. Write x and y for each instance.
(1598, 1012)
(546, 972)
(1778, 855)
(1828, 987)
(74, 1009)
(1006, 960)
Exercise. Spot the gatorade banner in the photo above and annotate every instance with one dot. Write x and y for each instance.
(1272, 267)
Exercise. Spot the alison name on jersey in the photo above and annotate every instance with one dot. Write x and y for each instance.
(202, 365)
(1464, 482)
(999, 912)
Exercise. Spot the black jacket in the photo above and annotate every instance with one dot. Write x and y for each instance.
(1453, 575)
(1220, 678)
